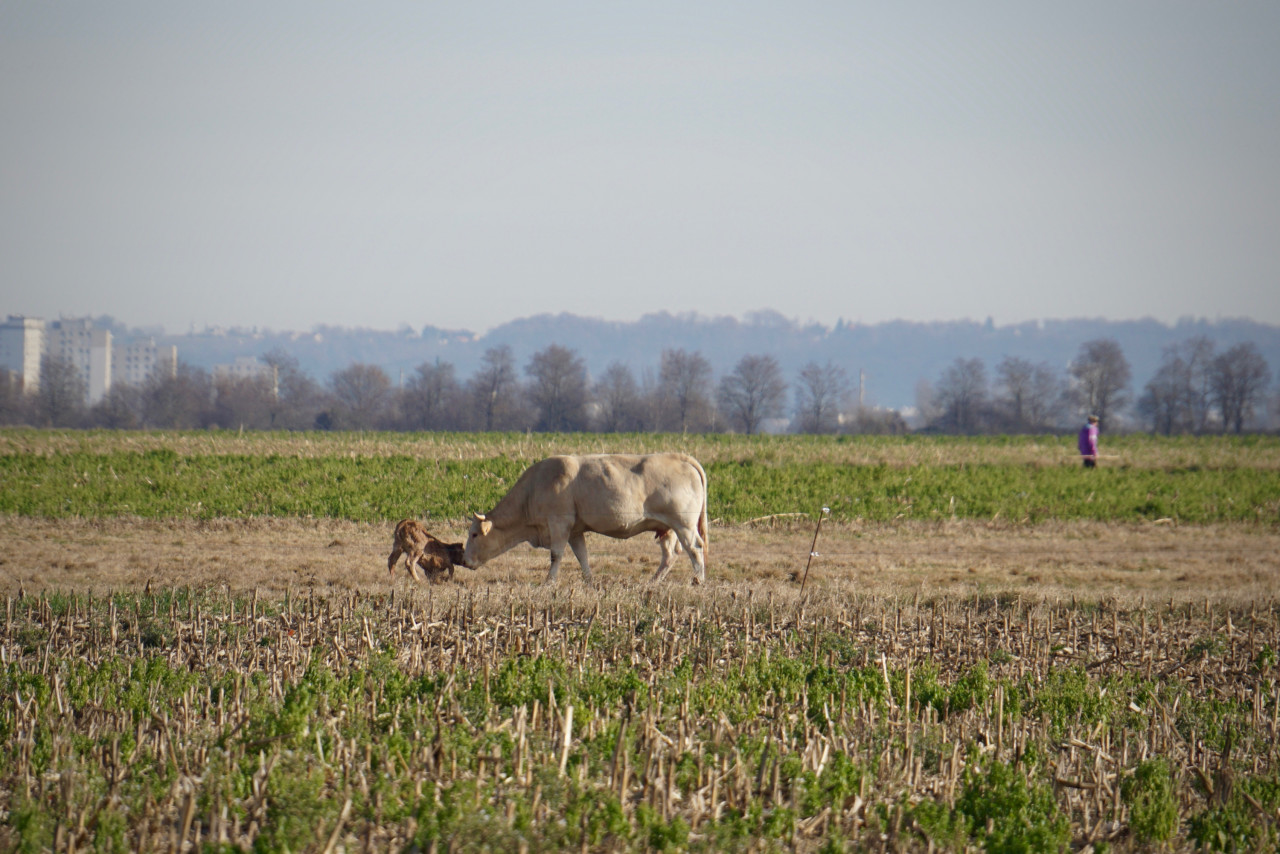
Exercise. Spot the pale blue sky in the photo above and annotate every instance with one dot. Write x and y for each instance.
(460, 165)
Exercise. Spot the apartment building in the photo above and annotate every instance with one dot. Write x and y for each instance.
(135, 362)
(89, 349)
(100, 362)
(21, 345)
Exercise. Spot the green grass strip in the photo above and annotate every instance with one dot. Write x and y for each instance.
(164, 484)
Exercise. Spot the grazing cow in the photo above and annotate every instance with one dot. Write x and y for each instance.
(556, 501)
(423, 550)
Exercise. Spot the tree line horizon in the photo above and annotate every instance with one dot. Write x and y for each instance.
(1196, 389)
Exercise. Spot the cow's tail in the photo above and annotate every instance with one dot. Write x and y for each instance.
(702, 517)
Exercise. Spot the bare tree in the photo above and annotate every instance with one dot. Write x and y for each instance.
(120, 409)
(180, 401)
(10, 397)
(558, 389)
(1027, 394)
(59, 402)
(1178, 398)
(961, 397)
(684, 382)
(618, 399)
(1195, 376)
(821, 394)
(648, 411)
(1240, 378)
(361, 393)
(296, 397)
(1162, 401)
(433, 398)
(493, 388)
(753, 391)
(1101, 373)
(244, 402)
(12, 400)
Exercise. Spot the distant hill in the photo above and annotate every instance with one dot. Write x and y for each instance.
(895, 356)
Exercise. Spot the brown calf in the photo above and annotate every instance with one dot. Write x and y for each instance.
(423, 550)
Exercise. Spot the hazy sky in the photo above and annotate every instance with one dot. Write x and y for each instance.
(462, 164)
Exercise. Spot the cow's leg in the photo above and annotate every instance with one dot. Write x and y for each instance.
(670, 546)
(391, 561)
(693, 545)
(578, 543)
(557, 552)
(557, 537)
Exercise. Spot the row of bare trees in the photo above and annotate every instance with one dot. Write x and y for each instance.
(1026, 396)
(1195, 386)
(1195, 390)
(551, 392)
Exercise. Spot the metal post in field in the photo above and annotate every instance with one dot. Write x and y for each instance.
(812, 547)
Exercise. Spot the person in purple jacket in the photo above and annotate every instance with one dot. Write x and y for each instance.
(1088, 442)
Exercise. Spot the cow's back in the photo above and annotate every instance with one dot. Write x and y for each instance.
(604, 489)
(623, 491)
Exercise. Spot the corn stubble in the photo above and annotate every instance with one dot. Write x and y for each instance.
(629, 718)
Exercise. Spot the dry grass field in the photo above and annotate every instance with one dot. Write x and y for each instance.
(1089, 561)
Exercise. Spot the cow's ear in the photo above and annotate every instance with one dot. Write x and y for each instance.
(485, 525)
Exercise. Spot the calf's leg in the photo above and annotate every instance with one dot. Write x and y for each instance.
(433, 567)
(415, 557)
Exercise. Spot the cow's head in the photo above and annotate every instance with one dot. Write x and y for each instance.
(476, 551)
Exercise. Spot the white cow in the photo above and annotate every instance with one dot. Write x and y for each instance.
(556, 501)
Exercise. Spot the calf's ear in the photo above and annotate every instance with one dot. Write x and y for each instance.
(485, 525)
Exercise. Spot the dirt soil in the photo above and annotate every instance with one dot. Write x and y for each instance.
(1088, 561)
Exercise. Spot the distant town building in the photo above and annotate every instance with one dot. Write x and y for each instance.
(243, 368)
(21, 345)
(89, 349)
(134, 363)
(25, 340)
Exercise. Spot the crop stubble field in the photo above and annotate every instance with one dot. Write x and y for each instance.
(994, 650)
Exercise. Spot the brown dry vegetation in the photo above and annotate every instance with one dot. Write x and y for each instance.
(1084, 560)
